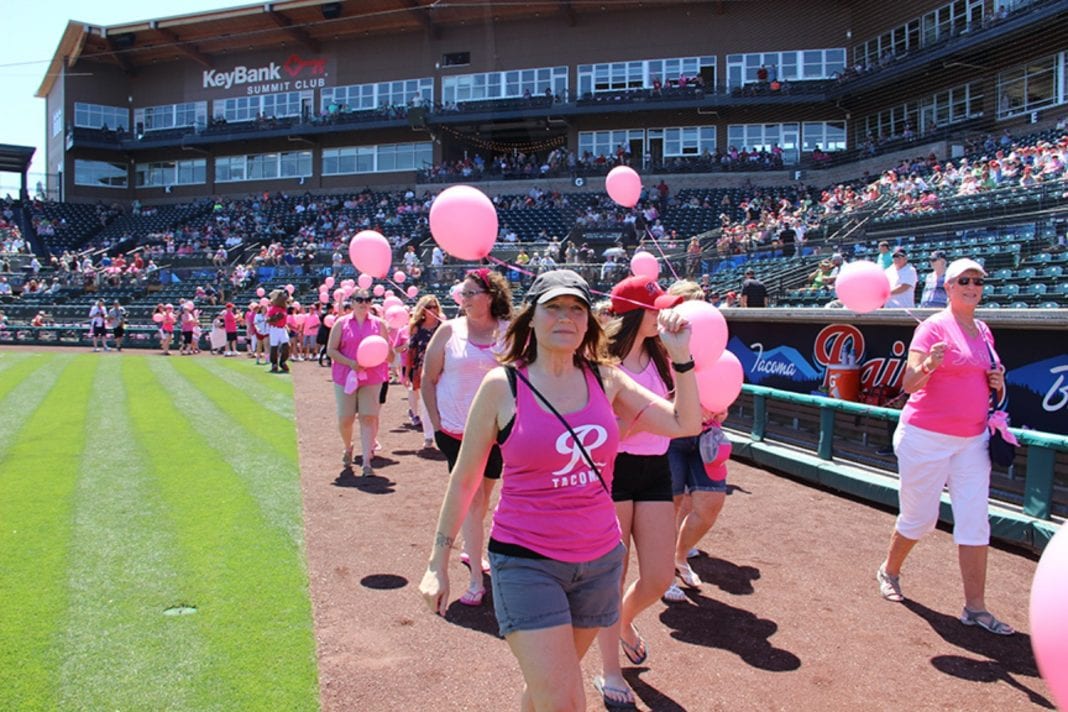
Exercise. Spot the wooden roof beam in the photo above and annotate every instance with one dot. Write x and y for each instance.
(422, 13)
(299, 35)
(188, 50)
(120, 55)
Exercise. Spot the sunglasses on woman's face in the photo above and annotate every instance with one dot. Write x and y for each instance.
(360, 300)
(965, 281)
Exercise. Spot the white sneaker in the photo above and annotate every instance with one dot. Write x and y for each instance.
(95, 350)
(693, 553)
(674, 594)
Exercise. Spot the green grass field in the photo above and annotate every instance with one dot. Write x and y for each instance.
(130, 485)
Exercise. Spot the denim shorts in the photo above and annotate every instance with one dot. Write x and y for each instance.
(641, 478)
(688, 469)
(531, 594)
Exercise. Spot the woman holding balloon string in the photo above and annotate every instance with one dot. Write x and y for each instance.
(460, 353)
(369, 369)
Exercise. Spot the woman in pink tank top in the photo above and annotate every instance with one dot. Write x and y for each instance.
(555, 549)
(344, 343)
(458, 356)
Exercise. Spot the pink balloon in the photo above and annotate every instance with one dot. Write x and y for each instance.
(290, 288)
(328, 282)
(644, 264)
(365, 281)
(324, 297)
(372, 351)
(323, 288)
(329, 321)
(264, 301)
(412, 291)
(371, 253)
(718, 385)
(397, 316)
(379, 290)
(708, 336)
(339, 294)
(862, 286)
(348, 283)
(455, 292)
(296, 305)
(399, 277)
(261, 292)
(463, 222)
(157, 318)
(624, 186)
(391, 301)
(1049, 617)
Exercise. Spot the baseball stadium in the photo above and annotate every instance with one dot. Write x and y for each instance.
(301, 281)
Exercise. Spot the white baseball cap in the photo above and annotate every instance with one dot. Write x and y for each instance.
(958, 267)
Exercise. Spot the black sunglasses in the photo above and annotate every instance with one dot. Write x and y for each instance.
(965, 281)
(360, 300)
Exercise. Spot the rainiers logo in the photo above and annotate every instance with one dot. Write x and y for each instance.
(591, 437)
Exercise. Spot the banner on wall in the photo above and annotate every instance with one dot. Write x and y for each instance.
(798, 356)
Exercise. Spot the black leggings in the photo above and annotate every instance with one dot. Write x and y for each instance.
(450, 446)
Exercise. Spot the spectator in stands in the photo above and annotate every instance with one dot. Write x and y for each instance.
(941, 440)
(903, 279)
(885, 258)
(5, 287)
(754, 293)
(934, 290)
(97, 327)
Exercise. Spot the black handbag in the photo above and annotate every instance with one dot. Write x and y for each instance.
(1002, 451)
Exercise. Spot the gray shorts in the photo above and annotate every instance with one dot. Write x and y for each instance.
(531, 594)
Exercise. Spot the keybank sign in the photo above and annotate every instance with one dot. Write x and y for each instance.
(214, 79)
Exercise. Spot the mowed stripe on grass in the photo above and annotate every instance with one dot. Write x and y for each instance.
(38, 472)
(119, 650)
(246, 574)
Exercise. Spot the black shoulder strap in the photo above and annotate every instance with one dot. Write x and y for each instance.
(574, 436)
(511, 372)
(995, 404)
(596, 374)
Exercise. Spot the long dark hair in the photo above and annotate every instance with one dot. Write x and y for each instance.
(521, 346)
(623, 331)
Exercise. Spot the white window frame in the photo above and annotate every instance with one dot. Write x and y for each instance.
(90, 173)
(368, 97)
(1056, 68)
(242, 109)
(640, 74)
(263, 166)
(172, 116)
(381, 158)
(509, 84)
(793, 66)
(764, 136)
(96, 116)
(161, 174)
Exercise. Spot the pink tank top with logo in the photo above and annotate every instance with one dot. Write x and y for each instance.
(551, 500)
(352, 333)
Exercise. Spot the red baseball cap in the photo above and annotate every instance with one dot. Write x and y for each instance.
(641, 292)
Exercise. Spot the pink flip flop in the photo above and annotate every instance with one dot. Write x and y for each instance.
(473, 598)
(466, 561)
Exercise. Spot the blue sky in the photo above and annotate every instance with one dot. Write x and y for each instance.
(32, 32)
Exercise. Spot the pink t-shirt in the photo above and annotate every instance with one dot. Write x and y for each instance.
(311, 324)
(229, 321)
(551, 500)
(636, 441)
(352, 333)
(956, 397)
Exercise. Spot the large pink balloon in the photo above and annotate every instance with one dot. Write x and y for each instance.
(261, 292)
(324, 297)
(339, 294)
(463, 222)
(365, 281)
(718, 385)
(379, 290)
(372, 351)
(399, 277)
(1049, 617)
(328, 282)
(371, 253)
(708, 328)
(328, 322)
(644, 264)
(412, 291)
(862, 286)
(397, 316)
(624, 186)
(290, 288)
(391, 301)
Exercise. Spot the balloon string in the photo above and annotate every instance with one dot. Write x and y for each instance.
(661, 250)
(918, 319)
(592, 290)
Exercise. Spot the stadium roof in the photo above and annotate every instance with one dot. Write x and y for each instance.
(204, 37)
(15, 159)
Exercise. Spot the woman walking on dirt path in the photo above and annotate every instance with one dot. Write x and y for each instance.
(461, 352)
(641, 487)
(345, 337)
(426, 317)
(555, 545)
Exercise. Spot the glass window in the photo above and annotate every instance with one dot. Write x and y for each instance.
(100, 174)
(99, 116)
(1035, 85)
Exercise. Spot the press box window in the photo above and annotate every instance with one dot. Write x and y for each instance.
(456, 59)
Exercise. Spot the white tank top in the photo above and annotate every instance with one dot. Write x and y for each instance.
(465, 366)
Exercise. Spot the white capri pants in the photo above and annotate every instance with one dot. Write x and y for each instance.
(928, 462)
(278, 335)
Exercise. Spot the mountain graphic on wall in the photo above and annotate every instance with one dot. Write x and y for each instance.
(1040, 376)
(782, 363)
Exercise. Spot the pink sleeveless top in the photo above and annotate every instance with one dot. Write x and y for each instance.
(466, 364)
(639, 442)
(551, 501)
(351, 336)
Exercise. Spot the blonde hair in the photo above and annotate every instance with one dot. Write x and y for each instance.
(419, 311)
(688, 290)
